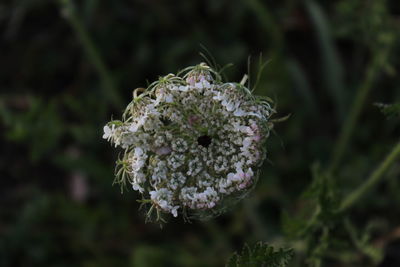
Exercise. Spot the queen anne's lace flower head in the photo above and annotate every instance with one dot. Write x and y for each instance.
(193, 144)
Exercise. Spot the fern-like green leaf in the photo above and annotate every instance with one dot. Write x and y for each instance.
(261, 254)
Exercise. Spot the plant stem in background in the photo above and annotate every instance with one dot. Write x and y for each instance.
(109, 89)
(375, 177)
(350, 123)
(332, 68)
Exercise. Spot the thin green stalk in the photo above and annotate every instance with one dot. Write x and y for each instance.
(375, 177)
(332, 68)
(92, 52)
(374, 68)
(350, 123)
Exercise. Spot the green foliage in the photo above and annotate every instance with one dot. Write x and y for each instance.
(362, 241)
(317, 219)
(389, 110)
(33, 124)
(261, 254)
(321, 203)
(156, 256)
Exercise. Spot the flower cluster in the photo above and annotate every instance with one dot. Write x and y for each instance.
(192, 143)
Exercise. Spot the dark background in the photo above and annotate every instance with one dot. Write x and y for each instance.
(66, 69)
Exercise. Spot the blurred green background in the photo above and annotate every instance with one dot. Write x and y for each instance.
(67, 67)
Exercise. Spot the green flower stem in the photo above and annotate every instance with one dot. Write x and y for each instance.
(375, 177)
(374, 68)
(91, 51)
(350, 123)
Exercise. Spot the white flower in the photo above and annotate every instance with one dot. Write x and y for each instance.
(199, 85)
(136, 125)
(138, 151)
(191, 143)
(108, 132)
(219, 97)
(254, 114)
(239, 112)
(206, 84)
(174, 211)
(246, 143)
(230, 105)
(163, 150)
(183, 88)
(137, 187)
(169, 98)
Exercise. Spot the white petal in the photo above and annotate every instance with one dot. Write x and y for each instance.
(254, 114)
(138, 151)
(239, 112)
(169, 98)
(174, 211)
(107, 132)
(183, 88)
(199, 85)
(134, 127)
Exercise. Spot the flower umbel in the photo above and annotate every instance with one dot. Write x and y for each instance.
(193, 144)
